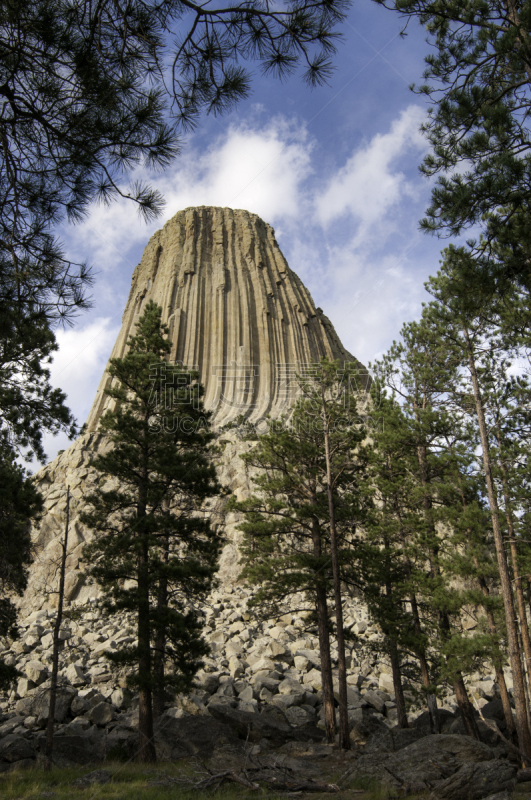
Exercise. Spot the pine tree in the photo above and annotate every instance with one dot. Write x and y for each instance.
(420, 371)
(154, 552)
(385, 565)
(477, 79)
(29, 405)
(468, 329)
(301, 524)
(20, 504)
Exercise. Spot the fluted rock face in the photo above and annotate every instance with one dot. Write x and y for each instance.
(235, 311)
(238, 314)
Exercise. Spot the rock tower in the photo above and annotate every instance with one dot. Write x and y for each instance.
(238, 314)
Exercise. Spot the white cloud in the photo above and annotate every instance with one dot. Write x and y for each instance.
(260, 169)
(79, 363)
(370, 185)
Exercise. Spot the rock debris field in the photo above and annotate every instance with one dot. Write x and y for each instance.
(259, 692)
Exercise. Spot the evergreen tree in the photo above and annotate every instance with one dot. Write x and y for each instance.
(28, 404)
(468, 330)
(29, 407)
(421, 440)
(301, 524)
(477, 79)
(385, 564)
(154, 552)
(20, 503)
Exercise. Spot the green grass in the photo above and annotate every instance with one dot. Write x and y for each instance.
(129, 781)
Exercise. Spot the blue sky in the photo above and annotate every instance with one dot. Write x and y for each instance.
(333, 169)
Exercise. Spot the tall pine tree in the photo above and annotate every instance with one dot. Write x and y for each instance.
(154, 551)
(301, 525)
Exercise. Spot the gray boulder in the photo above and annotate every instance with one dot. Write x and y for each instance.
(267, 725)
(423, 721)
(425, 763)
(477, 781)
(392, 740)
(100, 714)
(15, 748)
(363, 723)
(191, 736)
(488, 735)
(37, 704)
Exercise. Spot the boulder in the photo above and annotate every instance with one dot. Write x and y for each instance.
(247, 694)
(15, 748)
(363, 722)
(423, 721)
(38, 703)
(392, 740)
(36, 672)
(255, 727)
(486, 733)
(24, 685)
(375, 700)
(285, 701)
(100, 714)
(298, 716)
(69, 751)
(494, 710)
(75, 675)
(288, 686)
(191, 736)
(424, 763)
(477, 781)
(263, 664)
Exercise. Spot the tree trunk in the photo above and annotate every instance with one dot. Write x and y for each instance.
(424, 671)
(395, 660)
(465, 707)
(522, 727)
(522, 612)
(55, 651)
(159, 658)
(321, 609)
(461, 694)
(397, 684)
(344, 731)
(498, 668)
(146, 751)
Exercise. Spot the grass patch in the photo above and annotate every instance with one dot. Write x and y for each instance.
(131, 781)
(135, 782)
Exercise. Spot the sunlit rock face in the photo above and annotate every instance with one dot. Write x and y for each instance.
(239, 315)
(235, 311)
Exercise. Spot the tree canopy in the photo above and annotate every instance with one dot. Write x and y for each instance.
(478, 79)
(90, 90)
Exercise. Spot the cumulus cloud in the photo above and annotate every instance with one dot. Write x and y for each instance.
(370, 185)
(257, 168)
